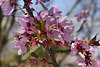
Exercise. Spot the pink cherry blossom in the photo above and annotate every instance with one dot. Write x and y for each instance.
(8, 8)
(21, 46)
(20, 42)
(25, 25)
(19, 30)
(51, 16)
(53, 34)
(82, 16)
(79, 46)
(62, 28)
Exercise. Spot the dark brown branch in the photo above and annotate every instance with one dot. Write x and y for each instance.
(51, 54)
(62, 51)
(53, 59)
(28, 9)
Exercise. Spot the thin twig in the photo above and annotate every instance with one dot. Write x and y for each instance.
(43, 6)
(21, 9)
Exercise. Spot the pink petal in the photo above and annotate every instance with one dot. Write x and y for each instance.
(25, 39)
(19, 30)
(22, 20)
(86, 46)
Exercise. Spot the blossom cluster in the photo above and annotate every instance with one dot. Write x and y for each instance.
(50, 24)
(49, 27)
(83, 47)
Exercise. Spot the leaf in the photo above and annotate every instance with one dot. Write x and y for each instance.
(53, 46)
(40, 52)
(30, 49)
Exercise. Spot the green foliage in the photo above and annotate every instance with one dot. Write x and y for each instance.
(40, 52)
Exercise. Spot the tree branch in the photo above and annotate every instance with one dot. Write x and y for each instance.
(61, 51)
(43, 5)
(51, 54)
(28, 9)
